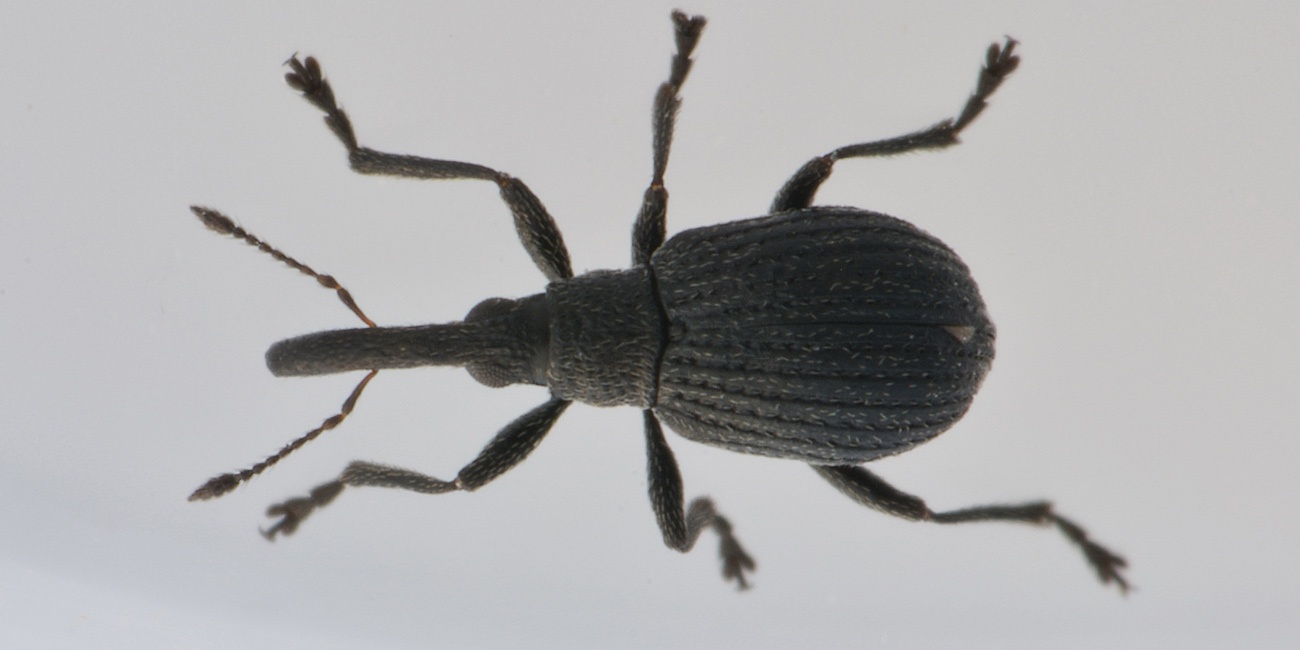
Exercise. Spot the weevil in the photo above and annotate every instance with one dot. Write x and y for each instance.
(828, 335)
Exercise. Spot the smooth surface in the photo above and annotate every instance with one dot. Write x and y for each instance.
(1128, 204)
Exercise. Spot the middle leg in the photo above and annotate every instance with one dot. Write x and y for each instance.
(648, 233)
(682, 528)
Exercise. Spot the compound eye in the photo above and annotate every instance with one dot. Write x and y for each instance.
(488, 373)
(489, 309)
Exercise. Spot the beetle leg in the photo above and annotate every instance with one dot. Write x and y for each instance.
(682, 528)
(871, 491)
(798, 192)
(511, 446)
(537, 230)
(648, 233)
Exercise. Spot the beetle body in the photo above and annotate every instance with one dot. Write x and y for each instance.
(828, 335)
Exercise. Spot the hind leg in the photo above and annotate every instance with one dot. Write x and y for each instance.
(798, 192)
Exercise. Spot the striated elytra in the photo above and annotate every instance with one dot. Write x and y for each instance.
(828, 335)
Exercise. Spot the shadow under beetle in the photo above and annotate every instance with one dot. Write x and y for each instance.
(828, 335)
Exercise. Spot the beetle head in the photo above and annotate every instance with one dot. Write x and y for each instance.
(525, 323)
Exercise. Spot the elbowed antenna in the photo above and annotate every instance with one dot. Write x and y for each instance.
(221, 224)
(501, 342)
(380, 348)
(219, 485)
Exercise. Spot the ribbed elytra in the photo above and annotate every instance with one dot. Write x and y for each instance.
(828, 335)
(819, 335)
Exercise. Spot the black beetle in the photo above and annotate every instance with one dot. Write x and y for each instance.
(829, 335)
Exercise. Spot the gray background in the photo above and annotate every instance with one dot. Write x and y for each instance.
(1128, 204)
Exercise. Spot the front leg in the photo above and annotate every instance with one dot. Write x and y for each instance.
(537, 230)
(510, 447)
(682, 528)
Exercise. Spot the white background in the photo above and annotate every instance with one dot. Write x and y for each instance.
(1128, 204)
